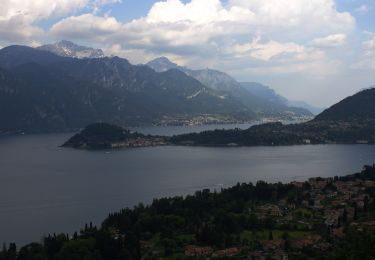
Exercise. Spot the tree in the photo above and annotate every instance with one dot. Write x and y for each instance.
(270, 236)
(285, 236)
(33, 251)
(79, 249)
(345, 217)
(365, 202)
(355, 217)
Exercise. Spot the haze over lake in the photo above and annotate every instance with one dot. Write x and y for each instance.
(46, 189)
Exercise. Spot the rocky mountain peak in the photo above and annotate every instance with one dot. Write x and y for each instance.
(69, 49)
(162, 64)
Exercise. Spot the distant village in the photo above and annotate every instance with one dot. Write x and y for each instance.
(208, 119)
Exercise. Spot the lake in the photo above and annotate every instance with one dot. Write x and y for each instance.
(46, 189)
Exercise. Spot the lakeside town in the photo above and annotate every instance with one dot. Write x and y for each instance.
(208, 119)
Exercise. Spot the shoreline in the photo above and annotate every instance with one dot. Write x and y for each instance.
(265, 208)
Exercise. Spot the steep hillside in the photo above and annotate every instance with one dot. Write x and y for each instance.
(260, 104)
(264, 92)
(360, 106)
(41, 91)
(15, 55)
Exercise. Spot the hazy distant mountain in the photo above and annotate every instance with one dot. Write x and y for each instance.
(262, 101)
(72, 50)
(40, 91)
(213, 79)
(163, 64)
(312, 109)
(265, 92)
(360, 107)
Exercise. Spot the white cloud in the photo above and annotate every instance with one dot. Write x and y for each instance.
(202, 27)
(301, 16)
(369, 44)
(333, 40)
(18, 17)
(266, 51)
(367, 59)
(17, 29)
(38, 9)
(283, 58)
(203, 20)
(86, 26)
(363, 9)
(314, 69)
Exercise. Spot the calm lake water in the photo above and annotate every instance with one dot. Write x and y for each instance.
(46, 189)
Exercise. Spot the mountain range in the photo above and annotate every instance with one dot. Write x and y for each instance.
(41, 91)
(257, 97)
(265, 92)
(64, 86)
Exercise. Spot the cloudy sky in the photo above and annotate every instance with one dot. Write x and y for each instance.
(313, 50)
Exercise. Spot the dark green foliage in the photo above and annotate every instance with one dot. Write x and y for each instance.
(275, 134)
(357, 244)
(32, 251)
(266, 134)
(367, 173)
(99, 136)
(270, 236)
(9, 253)
(214, 218)
(107, 136)
(79, 249)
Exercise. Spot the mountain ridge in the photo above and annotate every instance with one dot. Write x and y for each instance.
(224, 83)
(66, 48)
(14, 55)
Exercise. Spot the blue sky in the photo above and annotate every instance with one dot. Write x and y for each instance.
(319, 51)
